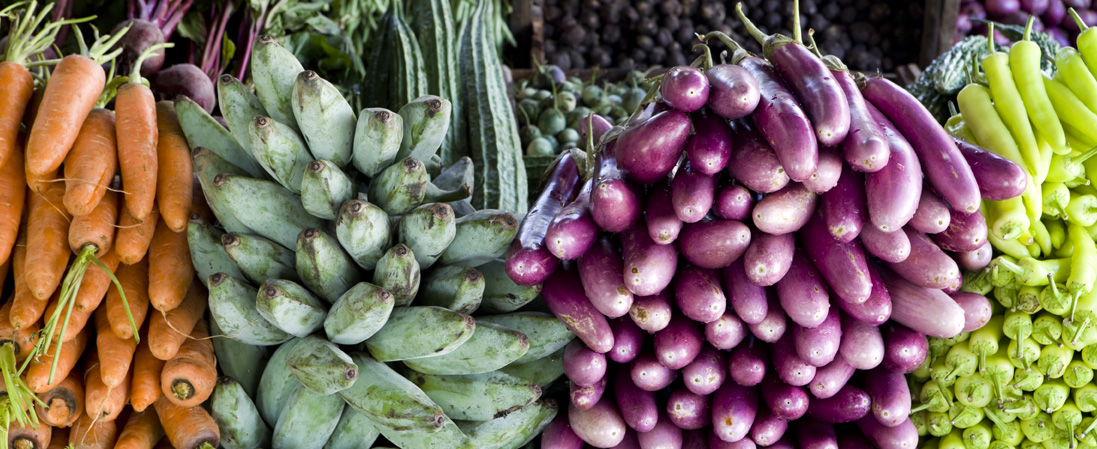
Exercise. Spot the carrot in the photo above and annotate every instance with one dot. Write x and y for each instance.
(17, 93)
(47, 240)
(138, 137)
(188, 427)
(26, 310)
(63, 404)
(22, 340)
(117, 351)
(91, 433)
(102, 401)
(170, 269)
(189, 377)
(29, 437)
(135, 282)
(90, 166)
(168, 330)
(134, 236)
(13, 193)
(198, 204)
(145, 388)
(142, 431)
(60, 438)
(38, 183)
(175, 175)
(38, 374)
(95, 229)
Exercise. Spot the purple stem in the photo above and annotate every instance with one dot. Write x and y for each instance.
(255, 25)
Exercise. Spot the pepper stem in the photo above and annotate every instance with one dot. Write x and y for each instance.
(1084, 156)
(1028, 28)
(1078, 20)
(796, 33)
(990, 37)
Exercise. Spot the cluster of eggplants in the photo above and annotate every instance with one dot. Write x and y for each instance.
(1050, 17)
(758, 257)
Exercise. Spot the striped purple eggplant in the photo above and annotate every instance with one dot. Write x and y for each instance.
(977, 309)
(932, 215)
(803, 293)
(788, 366)
(649, 150)
(784, 211)
(714, 442)
(584, 397)
(893, 192)
(862, 345)
(726, 332)
(688, 410)
(925, 310)
(733, 92)
(600, 426)
(874, 311)
(902, 436)
(774, 325)
(819, 345)
(628, 340)
(849, 404)
(650, 313)
(749, 363)
(865, 148)
(583, 366)
(528, 261)
(679, 343)
(768, 428)
(928, 266)
(650, 375)
(890, 396)
(734, 408)
(709, 148)
(601, 126)
(573, 230)
(830, 379)
(707, 372)
(975, 260)
(785, 401)
(844, 207)
(768, 257)
(558, 435)
(664, 434)
(815, 434)
(684, 88)
(692, 193)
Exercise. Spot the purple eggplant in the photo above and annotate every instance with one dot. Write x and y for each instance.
(892, 193)
(927, 265)
(628, 340)
(964, 233)
(902, 436)
(733, 92)
(601, 126)
(887, 246)
(614, 201)
(709, 149)
(827, 172)
(830, 379)
(688, 410)
(584, 397)
(999, 178)
(528, 260)
(714, 243)
(714, 442)
(862, 345)
(755, 164)
(599, 426)
(749, 363)
(1056, 11)
(692, 194)
(733, 202)
(775, 324)
(977, 309)
(815, 434)
(785, 401)
(784, 211)
(733, 410)
(847, 405)
(573, 230)
(789, 367)
(558, 435)
(975, 260)
(600, 271)
(698, 294)
(583, 366)
(768, 257)
(678, 344)
(649, 150)
(637, 405)
(890, 396)
(649, 267)
(904, 349)
(877, 309)
(696, 438)
(630, 441)
(563, 293)
(747, 298)
(684, 88)
(865, 147)
(819, 345)
(664, 226)
(944, 165)
(664, 434)
(844, 209)
(853, 440)
(650, 375)
(926, 310)
(707, 372)
(726, 332)
(768, 428)
(933, 215)
(843, 265)
(650, 313)
(803, 293)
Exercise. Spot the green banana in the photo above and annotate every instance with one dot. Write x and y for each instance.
(273, 70)
(435, 194)
(390, 400)
(276, 384)
(207, 165)
(501, 294)
(461, 173)
(327, 121)
(290, 307)
(377, 139)
(476, 397)
(358, 314)
(308, 419)
(260, 259)
(491, 347)
(265, 207)
(239, 106)
(546, 333)
(236, 416)
(542, 371)
(426, 121)
(448, 437)
(420, 331)
(482, 236)
(512, 430)
(401, 187)
(323, 265)
(203, 131)
(462, 208)
(428, 231)
(452, 287)
(354, 431)
(398, 272)
(206, 252)
(434, 165)
(321, 366)
(280, 151)
(233, 307)
(325, 188)
(364, 231)
(241, 361)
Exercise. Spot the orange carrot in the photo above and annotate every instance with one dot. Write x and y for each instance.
(91, 433)
(30, 436)
(93, 288)
(137, 140)
(14, 97)
(170, 269)
(100, 400)
(145, 389)
(188, 427)
(118, 352)
(38, 374)
(60, 438)
(168, 330)
(90, 166)
(134, 236)
(63, 404)
(175, 176)
(47, 240)
(189, 377)
(198, 205)
(142, 431)
(22, 340)
(73, 89)
(13, 193)
(135, 282)
(25, 309)
(96, 228)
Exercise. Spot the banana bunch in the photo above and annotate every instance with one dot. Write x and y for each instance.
(345, 270)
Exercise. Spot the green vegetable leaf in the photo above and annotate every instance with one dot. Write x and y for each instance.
(228, 49)
(193, 28)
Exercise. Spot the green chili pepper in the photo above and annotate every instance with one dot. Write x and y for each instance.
(1089, 356)
(999, 371)
(1005, 431)
(1042, 236)
(977, 281)
(1046, 329)
(978, 436)
(941, 374)
(1077, 76)
(933, 398)
(1038, 428)
(923, 370)
(973, 391)
(1024, 409)
(1046, 153)
(964, 417)
(1053, 360)
(938, 347)
(1056, 197)
(1013, 248)
(1083, 266)
(1078, 374)
(1085, 397)
(1051, 395)
(1024, 61)
(1010, 220)
(1008, 103)
(984, 340)
(1057, 230)
(1017, 325)
(1082, 210)
(1034, 272)
(1068, 167)
(1022, 353)
(1050, 299)
(957, 127)
(1086, 437)
(1067, 419)
(954, 439)
(919, 420)
(961, 360)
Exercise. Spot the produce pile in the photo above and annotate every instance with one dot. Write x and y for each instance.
(753, 259)
(1050, 16)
